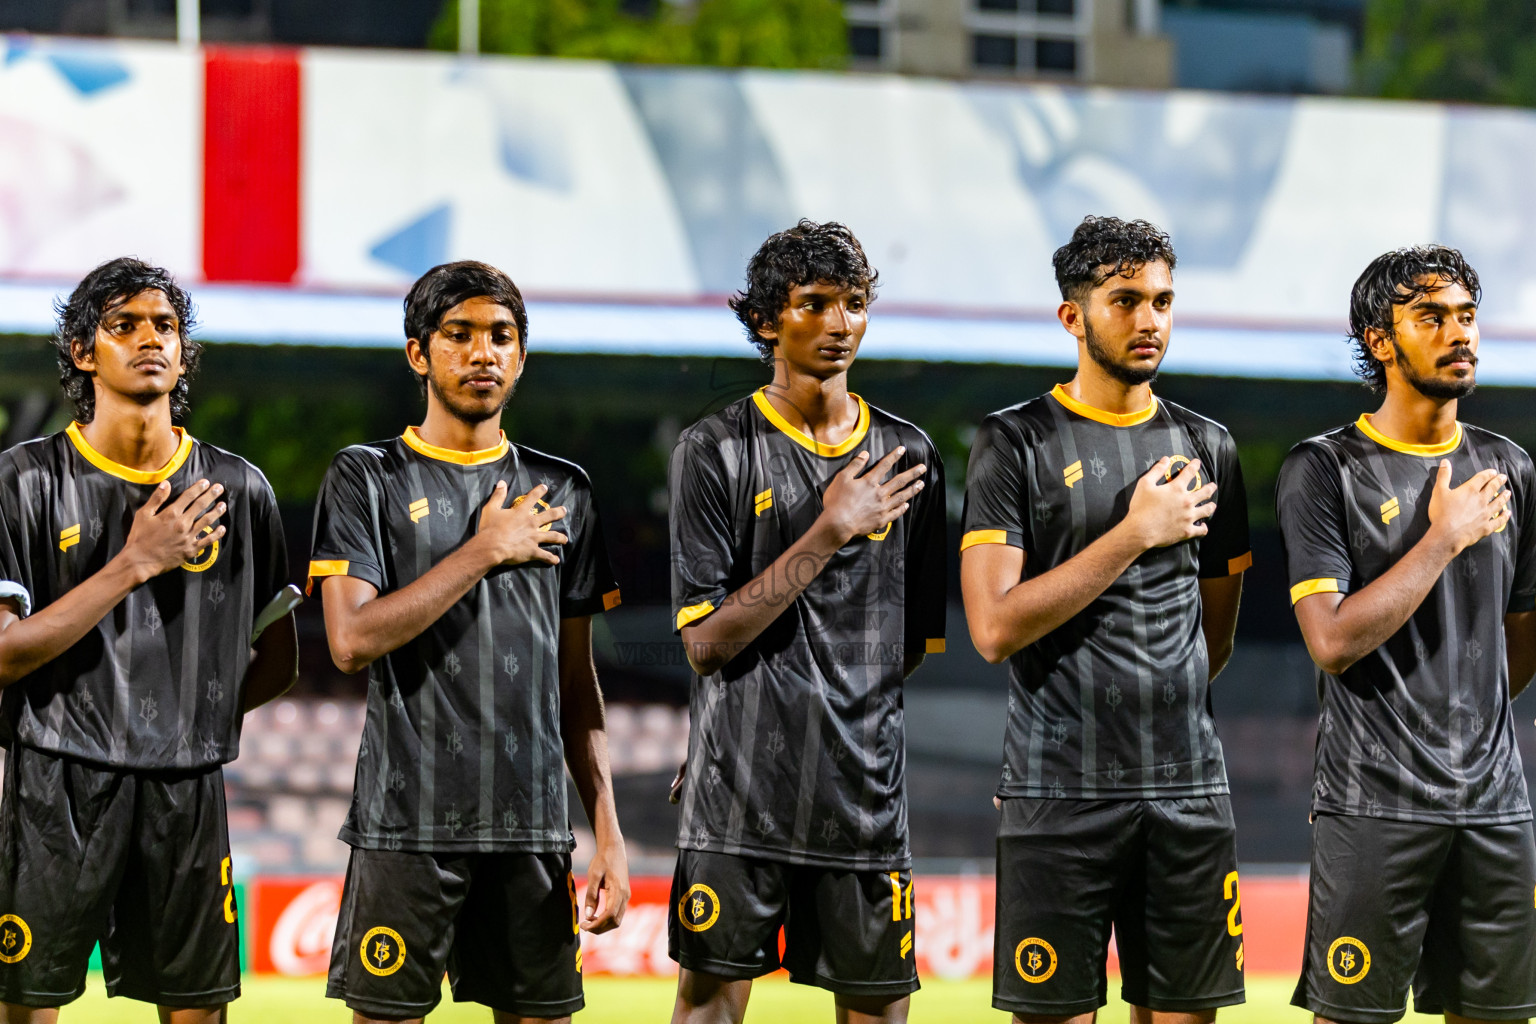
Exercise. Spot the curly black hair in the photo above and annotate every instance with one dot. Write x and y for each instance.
(1103, 247)
(804, 254)
(1397, 278)
(448, 284)
(102, 291)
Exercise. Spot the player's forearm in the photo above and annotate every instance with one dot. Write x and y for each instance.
(1219, 599)
(274, 665)
(28, 644)
(1520, 650)
(583, 731)
(1366, 619)
(360, 636)
(1035, 607)
(741, 618)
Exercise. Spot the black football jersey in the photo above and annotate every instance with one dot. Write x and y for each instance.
(1114, 703)
(461, 747)
(1420, 729)
(797, 749)
(158, 683)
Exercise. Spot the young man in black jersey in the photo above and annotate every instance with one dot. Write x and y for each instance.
(137, 567)
(807, 583)
(462, 571)
(1410, 542)
(1105, 537)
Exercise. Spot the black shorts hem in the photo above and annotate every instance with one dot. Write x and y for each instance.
(1349, 1014)
(370, 1008)
(178, 1000)
(42, 1000)
(1474, 1012)
(528, 1007)
(1212, 1002)
(724, 968)
(1069, 1008)
(858, 988)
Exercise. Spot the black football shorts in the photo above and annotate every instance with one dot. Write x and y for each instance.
(850, 932)
(1449, 910)
(503, 925)
(1161, 873)
(138, 860)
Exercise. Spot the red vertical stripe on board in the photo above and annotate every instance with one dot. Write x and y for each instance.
(251, 164)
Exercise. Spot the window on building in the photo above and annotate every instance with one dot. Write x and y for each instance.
(1064, 7)
(864, 42)
(1011, 6)
(1056, 55)
(994, 51)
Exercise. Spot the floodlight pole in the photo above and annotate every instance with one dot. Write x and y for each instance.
(469, 26)
(189, 29)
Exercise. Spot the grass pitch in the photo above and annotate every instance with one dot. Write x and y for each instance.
(649, 1001)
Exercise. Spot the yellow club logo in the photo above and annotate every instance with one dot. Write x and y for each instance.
(419, 509)
(383, 951)
(1035, 960)
(69, 537)
(204, 559)
(699, 908)
(15, 939)
(1348, 960)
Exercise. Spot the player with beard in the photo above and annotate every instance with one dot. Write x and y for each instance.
(1410, 541)
(472, 615)
(144, 606)
(1105, 537)
(807, 583)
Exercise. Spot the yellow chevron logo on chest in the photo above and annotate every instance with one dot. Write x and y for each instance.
(69, 537)
(763, 502)
(1073, 473)
(1389, 510)
(420, 509)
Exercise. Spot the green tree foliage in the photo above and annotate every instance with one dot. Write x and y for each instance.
(734, 33)
(1460, 50)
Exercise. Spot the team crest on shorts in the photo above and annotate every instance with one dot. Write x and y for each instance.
(15, 939)
(1348, 960)
(1035, 960)
(699, 908)
(382, 951)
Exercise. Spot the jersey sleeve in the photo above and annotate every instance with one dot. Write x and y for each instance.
(1522, 593)
(269, 547)
(1225, 549)
(343, 542)
(1309, 504)
(586, 576)
(699, 524)
(995, 485)
(15, 580)
(927, 571)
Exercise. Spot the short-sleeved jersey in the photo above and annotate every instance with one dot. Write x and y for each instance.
(797, 750)
(461, 747)
(158, 683)
(1420, 729)
(1115, 702)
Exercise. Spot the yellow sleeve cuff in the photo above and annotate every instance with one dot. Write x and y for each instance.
(319, 569)
(1241, 563)
(976, 537)
(694, 612)
(1306, 588)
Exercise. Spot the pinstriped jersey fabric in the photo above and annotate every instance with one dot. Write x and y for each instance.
(1115, 702)
(157, 683)
(797, 749)
(461, 747)
(1420, 729)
